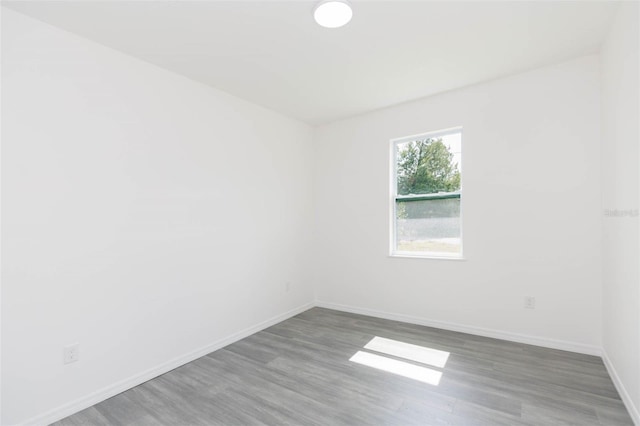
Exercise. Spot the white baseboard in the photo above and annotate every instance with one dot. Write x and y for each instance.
(100, 395)
(116, 388)
(634, 411)
(479, 331)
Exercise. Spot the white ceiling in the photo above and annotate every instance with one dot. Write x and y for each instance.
(273, 54)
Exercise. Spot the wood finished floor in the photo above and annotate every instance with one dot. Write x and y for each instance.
(298, 373)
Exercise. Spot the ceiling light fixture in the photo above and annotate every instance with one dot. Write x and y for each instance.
(333, 13)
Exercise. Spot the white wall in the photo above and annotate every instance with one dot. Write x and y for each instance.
(621, 266)
(0, 216)
(531, 211)
(145, 216)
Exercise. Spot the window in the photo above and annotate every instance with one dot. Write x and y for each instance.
(426, 195)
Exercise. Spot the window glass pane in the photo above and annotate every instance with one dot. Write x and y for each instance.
(429, 165)
(427, 194)
(431, 226)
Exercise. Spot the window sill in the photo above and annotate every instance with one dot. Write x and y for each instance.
(433, 256)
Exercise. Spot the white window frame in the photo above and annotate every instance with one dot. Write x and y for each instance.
(393, 196)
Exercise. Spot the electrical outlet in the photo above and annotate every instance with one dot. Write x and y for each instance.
(71, 353)
(287, 286)
(529, 302)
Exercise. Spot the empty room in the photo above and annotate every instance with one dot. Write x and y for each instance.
(324, 213)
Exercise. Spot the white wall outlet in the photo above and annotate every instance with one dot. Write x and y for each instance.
(287, 286)
(71, 353)
(529, 302)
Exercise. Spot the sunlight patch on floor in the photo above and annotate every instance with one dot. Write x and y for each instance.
(401, 368)
(408, 351)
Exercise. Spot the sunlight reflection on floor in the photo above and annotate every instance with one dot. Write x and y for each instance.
(394, 348)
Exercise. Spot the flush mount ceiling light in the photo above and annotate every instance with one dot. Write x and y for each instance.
(332, 13)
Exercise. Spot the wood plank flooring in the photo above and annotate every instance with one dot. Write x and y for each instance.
(299, 372)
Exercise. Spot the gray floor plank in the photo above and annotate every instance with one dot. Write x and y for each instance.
(90, 416)
(299, 372)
